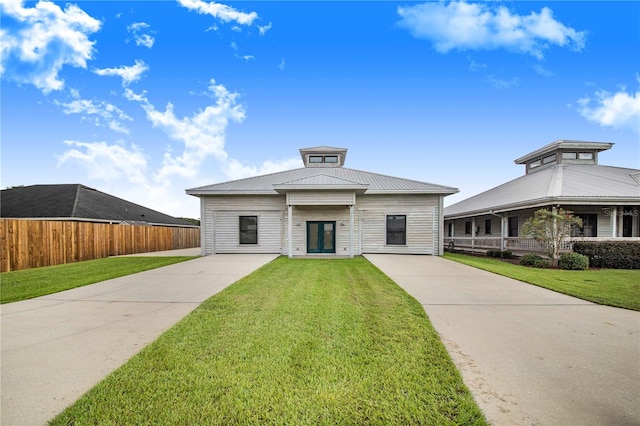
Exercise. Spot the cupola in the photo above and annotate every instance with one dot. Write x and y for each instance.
(323, 156)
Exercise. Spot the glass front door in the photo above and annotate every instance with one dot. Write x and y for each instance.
(321, 237)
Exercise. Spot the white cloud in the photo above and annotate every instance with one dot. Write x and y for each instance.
(107, 162)
(247, 58)
(282, 64)
(138, 29)
(234, 169)
(219, 11)
(475, 66)
(263, 29)
(48, 39)
(479, 26)
(202, 135)
(127, 74)
(540, 70)
(102, 113)
(500, 83)
(620, 110)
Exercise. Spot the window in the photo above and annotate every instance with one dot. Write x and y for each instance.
(248, 229)
(487, 226)
(534, 164)
(589, 226)
(585, 156)
(549, 159)
(331, 159)
(315, 158)
(467, 227)
(569, 155)
(397, 230)
(513, 226)
(451, 229)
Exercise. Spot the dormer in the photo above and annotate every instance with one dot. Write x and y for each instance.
(323, 156)
(563, 152)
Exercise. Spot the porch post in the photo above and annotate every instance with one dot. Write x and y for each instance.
(614, 221)
(351, 231)
(503, 232)
(473, 232)
(290, 230)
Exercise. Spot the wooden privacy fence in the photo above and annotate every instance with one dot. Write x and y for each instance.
(34, 243)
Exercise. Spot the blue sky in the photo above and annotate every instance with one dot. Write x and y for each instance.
(143, 99)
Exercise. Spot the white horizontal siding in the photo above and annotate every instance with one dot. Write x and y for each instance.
(221, 222)
(422, 223)
(321, 198)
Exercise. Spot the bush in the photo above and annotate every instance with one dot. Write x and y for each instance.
(506, 254)
(541, 263)
(610, 254)
(529, 259)
(573, 261)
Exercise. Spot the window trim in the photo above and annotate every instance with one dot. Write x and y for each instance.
(487, 229)
(316, 159)
(240, 230)
(403, 231)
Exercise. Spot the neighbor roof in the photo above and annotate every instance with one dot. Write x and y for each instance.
(563, 183)
(74, 201)
(322, 178)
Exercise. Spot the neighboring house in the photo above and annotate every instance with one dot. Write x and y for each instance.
(74, 202)
(322, 209)
(563, 174)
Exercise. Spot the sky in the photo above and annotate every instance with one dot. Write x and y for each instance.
(145, 99)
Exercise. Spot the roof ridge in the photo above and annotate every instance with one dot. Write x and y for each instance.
(75, 200)
(319, 174)
(401, 178)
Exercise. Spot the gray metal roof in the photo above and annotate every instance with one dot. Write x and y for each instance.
(322, 178)
(565, 183)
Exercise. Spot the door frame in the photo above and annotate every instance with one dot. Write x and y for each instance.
(321, 224)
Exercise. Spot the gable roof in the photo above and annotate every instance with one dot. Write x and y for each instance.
(74, 201)
(565, 183)
(322, 178)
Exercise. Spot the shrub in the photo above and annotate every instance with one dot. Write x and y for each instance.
(506, 254)
(573, 261)
(610, 254)
(529, 259)
(541, 263)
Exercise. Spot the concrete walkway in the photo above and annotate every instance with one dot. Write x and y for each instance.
(56, 347)
(530, 356)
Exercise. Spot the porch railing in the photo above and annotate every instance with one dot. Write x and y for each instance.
(515, 244)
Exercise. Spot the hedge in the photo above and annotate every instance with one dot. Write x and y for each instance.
(610, 254)
(573, 261)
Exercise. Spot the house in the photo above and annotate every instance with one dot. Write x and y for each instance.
(323, 208)
(562, 174)
(74, 202)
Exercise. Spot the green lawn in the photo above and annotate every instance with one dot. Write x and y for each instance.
(613, 287)
(30, 283)
(298, 342)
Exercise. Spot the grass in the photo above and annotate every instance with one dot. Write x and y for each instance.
(300, 342)
(30, 283)
(613, 287)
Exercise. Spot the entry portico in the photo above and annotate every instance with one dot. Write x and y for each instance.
(322, 209)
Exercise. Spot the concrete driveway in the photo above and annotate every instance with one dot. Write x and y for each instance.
(530, 356)
(56, 347)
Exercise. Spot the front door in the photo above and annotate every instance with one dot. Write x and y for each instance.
(321, 237)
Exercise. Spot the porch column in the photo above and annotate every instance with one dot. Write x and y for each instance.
(473, 232)
(503, 232)
(351, 231)
(290, 230)
(614, 222)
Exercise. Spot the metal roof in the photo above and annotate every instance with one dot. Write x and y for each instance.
(566, 183)
(322, 178)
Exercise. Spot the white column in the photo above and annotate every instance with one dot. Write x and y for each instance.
(614, 222)
(351, 230)
(503, 232)
(290, 230)
(473, 231)
(203, 226)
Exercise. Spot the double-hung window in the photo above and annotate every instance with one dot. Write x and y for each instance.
(248, 229)
(397, 230)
